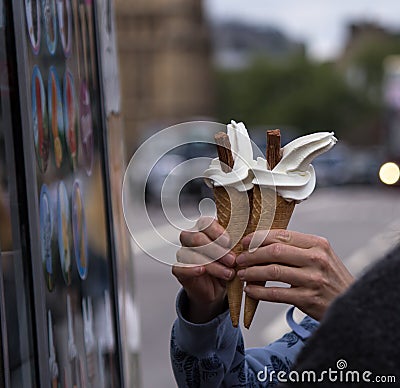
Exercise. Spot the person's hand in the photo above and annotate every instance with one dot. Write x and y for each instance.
(205, 264)
(306, 262)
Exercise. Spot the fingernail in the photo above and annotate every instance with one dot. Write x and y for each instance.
(228, 273)
(241, 259)
(230, 259)
(199, 270)
(246, 289)
(241, 274)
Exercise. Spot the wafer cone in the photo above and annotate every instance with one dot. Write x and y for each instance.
(233, 210)
(233, 214)
(269, 211)
(263, 208)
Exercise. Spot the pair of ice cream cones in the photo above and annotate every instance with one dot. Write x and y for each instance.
(261, 209)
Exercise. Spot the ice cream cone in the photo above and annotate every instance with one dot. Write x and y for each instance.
(233, 212)
(269, 211)
(263, 208)
(272, 194)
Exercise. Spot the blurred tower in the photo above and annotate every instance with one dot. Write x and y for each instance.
(165, 57)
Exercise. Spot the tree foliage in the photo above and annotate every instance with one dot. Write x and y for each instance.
(307, 95)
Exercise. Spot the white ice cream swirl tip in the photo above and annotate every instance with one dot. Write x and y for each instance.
(293, 177)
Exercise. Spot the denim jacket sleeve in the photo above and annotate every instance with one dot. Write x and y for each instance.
(213, 354)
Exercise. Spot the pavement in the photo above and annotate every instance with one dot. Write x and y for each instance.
(362, 224)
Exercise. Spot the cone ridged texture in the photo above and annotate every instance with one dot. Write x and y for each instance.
(283, 212)
(270, 211)
(233, 212)
(241, 213)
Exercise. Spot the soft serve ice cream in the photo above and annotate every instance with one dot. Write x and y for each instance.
(293, 177)
(240, 177)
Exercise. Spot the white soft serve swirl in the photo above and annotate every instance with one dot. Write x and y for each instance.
(293, 177)
(240, 177)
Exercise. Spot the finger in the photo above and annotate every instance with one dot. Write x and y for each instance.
(201, 243)
(274, 272)
(188, 274)
(219, 271)
(205, 254)
(288, 237)
(182, 272)
(275, 253)
(214, 269)
(294, 296)
(215, 232)
(190, 256)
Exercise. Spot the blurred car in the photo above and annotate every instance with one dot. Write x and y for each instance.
(173, 165)
(179, 173)
(365, 165)
(332, 167)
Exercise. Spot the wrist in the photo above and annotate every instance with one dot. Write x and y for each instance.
(200, 312)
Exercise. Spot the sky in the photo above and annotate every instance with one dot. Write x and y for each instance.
(321, 24)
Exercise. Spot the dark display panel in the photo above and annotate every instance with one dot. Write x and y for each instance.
(17, 361)
(64, 158)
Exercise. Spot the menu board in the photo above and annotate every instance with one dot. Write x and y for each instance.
(65, 139)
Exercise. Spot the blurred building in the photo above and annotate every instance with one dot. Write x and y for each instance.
(236, 44)
(360, 34)
(362, 62)
(366, 41)
(165, 59)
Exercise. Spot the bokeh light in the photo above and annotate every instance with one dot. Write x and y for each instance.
(389, 173)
